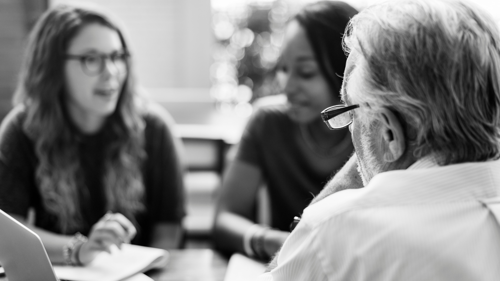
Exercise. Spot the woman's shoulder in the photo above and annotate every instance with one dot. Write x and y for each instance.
(267, 120)
(14, 119)
(159, 129)
(11, 130)
(271, 114)
(155, 115)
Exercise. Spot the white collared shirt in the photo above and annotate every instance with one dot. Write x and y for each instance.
(423, 223)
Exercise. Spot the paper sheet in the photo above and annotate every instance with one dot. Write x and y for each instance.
(242, 268)
(120, 265)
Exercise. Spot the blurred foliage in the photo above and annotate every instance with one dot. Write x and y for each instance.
(248, 42)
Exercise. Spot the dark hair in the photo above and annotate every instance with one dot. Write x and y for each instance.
(324, 23)
(41, 90)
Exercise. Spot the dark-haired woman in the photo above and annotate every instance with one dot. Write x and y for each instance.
(287, 146)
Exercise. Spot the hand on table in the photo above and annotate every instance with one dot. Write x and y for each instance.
(111, 229)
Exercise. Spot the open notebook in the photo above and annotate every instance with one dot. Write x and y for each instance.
(23, 257)
(122, 264)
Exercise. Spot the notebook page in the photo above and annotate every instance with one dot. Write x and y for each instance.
(124, 263)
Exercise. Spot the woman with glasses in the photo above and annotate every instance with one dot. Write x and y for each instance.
(288, 147)
(97, 164)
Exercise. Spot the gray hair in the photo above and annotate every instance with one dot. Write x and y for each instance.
(436, 64)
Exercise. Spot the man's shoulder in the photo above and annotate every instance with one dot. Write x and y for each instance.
(348, 202)
(333, 206)
(406, 190)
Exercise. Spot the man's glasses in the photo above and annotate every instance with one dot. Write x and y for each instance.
(94, 64)
(338, 116)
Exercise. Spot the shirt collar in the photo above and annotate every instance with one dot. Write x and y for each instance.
(426, 162)
(436, 184)
(417, 186)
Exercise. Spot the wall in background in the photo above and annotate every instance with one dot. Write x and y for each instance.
(171, 39)
(16, 19)
(172, 42)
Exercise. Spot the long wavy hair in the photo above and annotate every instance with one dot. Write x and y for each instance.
(41, 90)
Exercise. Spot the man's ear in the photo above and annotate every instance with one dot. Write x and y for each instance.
(393, 136)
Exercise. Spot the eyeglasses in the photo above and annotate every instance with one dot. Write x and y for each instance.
(338, 116)
(93, 64)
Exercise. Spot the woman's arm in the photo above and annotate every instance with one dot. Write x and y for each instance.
(235, 211)
(164, 177)
(235, 205)
(111, 230)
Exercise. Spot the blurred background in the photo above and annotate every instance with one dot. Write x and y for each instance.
(206, 62)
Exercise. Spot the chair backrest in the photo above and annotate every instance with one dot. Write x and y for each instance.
(22, 253)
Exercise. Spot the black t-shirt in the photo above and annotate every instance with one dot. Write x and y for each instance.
(292, 171)
(161, 171)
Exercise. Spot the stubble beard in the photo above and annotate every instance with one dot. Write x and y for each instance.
(368, 166)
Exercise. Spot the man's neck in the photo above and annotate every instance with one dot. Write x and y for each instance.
(425, 162)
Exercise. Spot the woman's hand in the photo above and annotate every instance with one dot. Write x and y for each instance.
(273, 240)
(112, 229)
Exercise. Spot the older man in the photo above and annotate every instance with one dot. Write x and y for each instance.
(422, 101)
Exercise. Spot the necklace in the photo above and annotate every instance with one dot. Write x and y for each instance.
(324, 151)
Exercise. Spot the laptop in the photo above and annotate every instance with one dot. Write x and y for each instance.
(22, 253)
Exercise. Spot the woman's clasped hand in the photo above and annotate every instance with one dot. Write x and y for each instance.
(110, 231)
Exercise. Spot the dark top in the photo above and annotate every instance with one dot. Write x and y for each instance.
(161, 170)
(292, 169)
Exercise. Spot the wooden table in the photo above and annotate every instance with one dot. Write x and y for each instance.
(192, 265)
